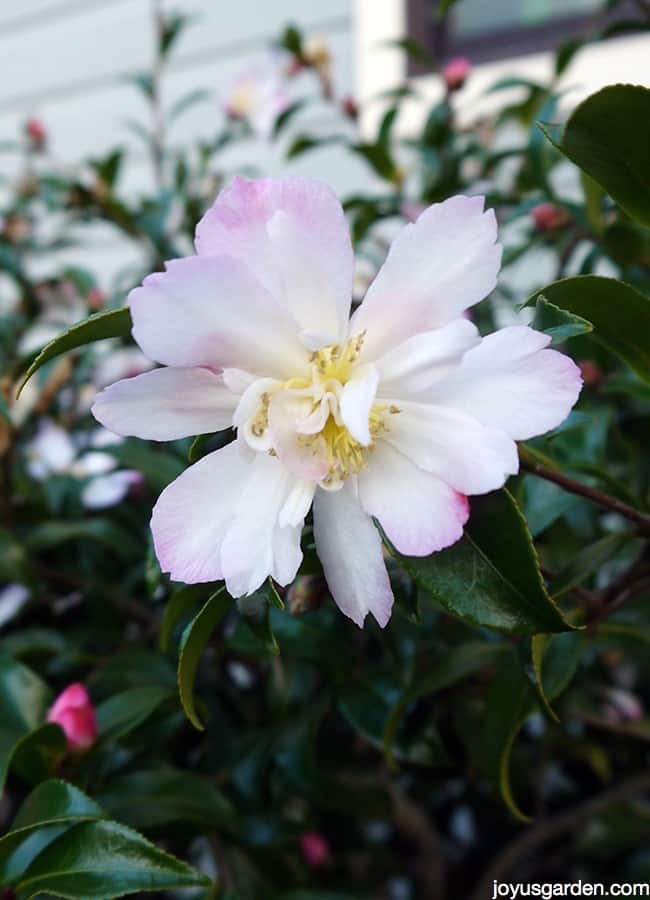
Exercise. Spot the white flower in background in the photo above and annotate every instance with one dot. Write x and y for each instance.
(258, 96)
(12, 599)
(53, 452)
(397, 413)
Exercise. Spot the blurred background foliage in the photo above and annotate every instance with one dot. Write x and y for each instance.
(268, 748)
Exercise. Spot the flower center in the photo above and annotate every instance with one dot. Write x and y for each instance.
(312, 430)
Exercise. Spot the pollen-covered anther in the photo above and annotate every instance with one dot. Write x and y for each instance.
(261, 421)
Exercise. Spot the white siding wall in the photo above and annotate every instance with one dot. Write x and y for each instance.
(63, 60)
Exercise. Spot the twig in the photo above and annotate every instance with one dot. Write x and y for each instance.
(641, 520)
(411, 821)
(555, 827)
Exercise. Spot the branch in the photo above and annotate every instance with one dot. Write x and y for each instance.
(555, 827)
(641, 520)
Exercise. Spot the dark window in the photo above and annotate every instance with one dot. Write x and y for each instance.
(486, 30)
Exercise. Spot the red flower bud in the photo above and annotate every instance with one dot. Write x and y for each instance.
(315, 849)
(591, 374)
(35, 131)
(350, 108)
(549, 217)
(95, 298)
(75, 714)
(456, 72)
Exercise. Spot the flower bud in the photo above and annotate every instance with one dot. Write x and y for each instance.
(315, 849)
(75, 714)
(549, 217)
(456, 72)
(95, 298)
(350, 108)
(591, 373)
(35, 131)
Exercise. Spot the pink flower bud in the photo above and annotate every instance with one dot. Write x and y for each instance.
(36, 132)
(75, 714)
(549, 217)
(350, 108)
(315, 849)
(95, 298)
(591, 374)
(456, 72)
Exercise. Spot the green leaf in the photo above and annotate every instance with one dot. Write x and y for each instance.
(608, 136)
(619, 313)
(36, 755)
(156, 798)
(180, 603)
(103, 531)
(491, 576)
(114, 323)
(558, 323)
(24, 701)
(255, 610)
(50, 809)
(103, 860)
(193, 643)
(511, 700)
(158, 466)
(444, 7)
(127, 710)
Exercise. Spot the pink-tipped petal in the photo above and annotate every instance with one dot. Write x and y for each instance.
(350, 549)
(419, 513)
(192, 516)
(166, 404)
(292, 234)
(211, 311)
(511, 382)
(437, 267)
(468, 456)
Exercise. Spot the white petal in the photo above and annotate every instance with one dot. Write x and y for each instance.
(304, 455)
(52, 450)
(12, 599)
(509, 381)
(166, 404)
(192, 515)
(467, 455)
(350, 549)
(421, 360)
(256, 544)
(293, 235)
(211, 311)
(297, 504)
(442, 264)
(419, 513)
(356, 401)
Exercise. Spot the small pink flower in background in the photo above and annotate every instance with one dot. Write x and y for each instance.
(36, 132)
(396, 413)
(95, 298)
(257, 96)
(315, 849)
(456, 72)
(74, 712)
(549, 217)
(350, 108)
(622, 706)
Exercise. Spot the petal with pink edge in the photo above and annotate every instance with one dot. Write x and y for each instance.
(256, 544)
(292, 234)
(350, 549)
(419, 513)
(437, 267)
(211, 311)
(357, 398)
(166, 404)
(468, 456)
(192, 516)
(510, 381)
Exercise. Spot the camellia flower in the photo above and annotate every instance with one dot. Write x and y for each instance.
(397, 413)
(549, 217)
(258, 96)
(74, 712)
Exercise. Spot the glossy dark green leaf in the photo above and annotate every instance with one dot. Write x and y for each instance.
(36, 755)
(193, 643)
(24, 700)
(50, 809)
(491, 577)
(127, 710)
(104, 860)
(607, 135)
(114, 323)
(180, 604)
(558, 323)
(512, 698)
(155, 798)
(255, 611)
(158, 465)
(101, 530)
(619, 313)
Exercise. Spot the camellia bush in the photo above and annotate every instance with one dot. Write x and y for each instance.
(325, 527)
